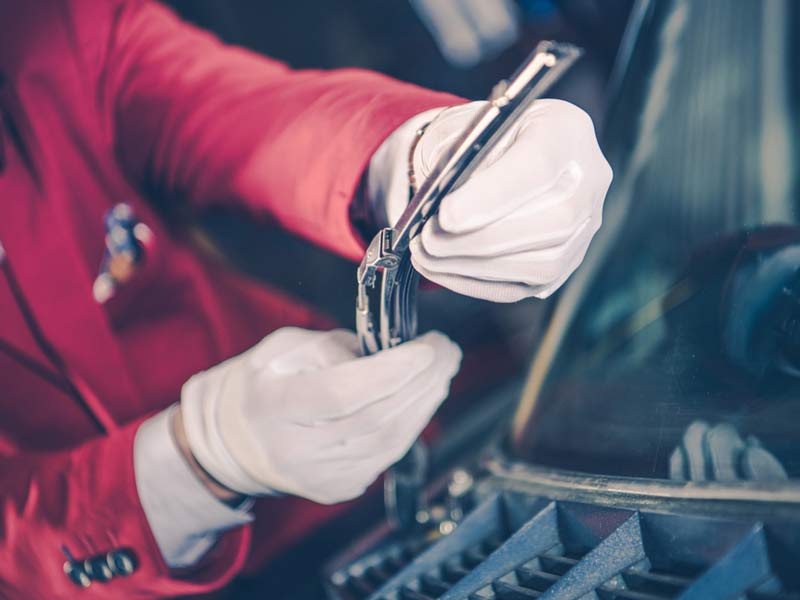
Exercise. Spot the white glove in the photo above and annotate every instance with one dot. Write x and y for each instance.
(523, 222)
(303, 413)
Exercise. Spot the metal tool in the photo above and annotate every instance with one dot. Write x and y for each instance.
(386, 311)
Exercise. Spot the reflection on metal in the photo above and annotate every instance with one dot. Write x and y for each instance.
(460, 484)
(642, 318)
(639, 14)
(778, 154)
(776, 497)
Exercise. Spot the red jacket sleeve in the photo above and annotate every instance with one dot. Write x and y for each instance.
(212, 123)
(85, 500)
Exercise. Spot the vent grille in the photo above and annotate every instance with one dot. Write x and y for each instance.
(363, 577)
(436, 583)
(516, 547)
(534, 578)
(635, 584)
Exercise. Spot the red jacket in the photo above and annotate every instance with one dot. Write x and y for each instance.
(108, 101)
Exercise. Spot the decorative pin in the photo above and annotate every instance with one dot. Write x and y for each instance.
(126, 238)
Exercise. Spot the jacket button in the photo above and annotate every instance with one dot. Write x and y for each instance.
(76, 573)
(121, 562)
(97, 569)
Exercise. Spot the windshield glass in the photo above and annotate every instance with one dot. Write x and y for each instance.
(675, 350)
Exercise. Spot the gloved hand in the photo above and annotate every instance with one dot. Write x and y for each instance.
(303, 413)
(719, 453)
(523, 221)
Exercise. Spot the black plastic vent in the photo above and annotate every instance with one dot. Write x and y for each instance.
(437, 582)
(534, 578)
(515, 547)
(363, 577)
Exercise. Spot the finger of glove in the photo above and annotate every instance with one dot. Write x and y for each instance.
(532, 267)
(517, 177)
(497, 291)
(315, 352)
(333, 493)
(293, 349)
(553, 137)
(393, 413)
(443, 132)
(366, 457)
(379, 429)
(724, 448)
(330, 441)
(347, 388)
(377, 450)
(493, 291)
(544, 222)
(286, 339)
(354, 477)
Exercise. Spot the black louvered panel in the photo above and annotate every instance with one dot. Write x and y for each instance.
(409, 594)
(533, 578)
(452, 573)
(574, 550)
(648, 556)
(474, 556)
(433, 585)
(623, 594)
(368, 574)
(455, 556)
(775, 589)
(510, 591)
(536, 579)
(558, 565)
(540, 574)
(642, 583)
(556, 542)
(438, 581)
(663, 585)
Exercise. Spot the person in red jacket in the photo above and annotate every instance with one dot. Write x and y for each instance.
(142, 408)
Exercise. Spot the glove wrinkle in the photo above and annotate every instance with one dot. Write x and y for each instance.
(520, 225)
